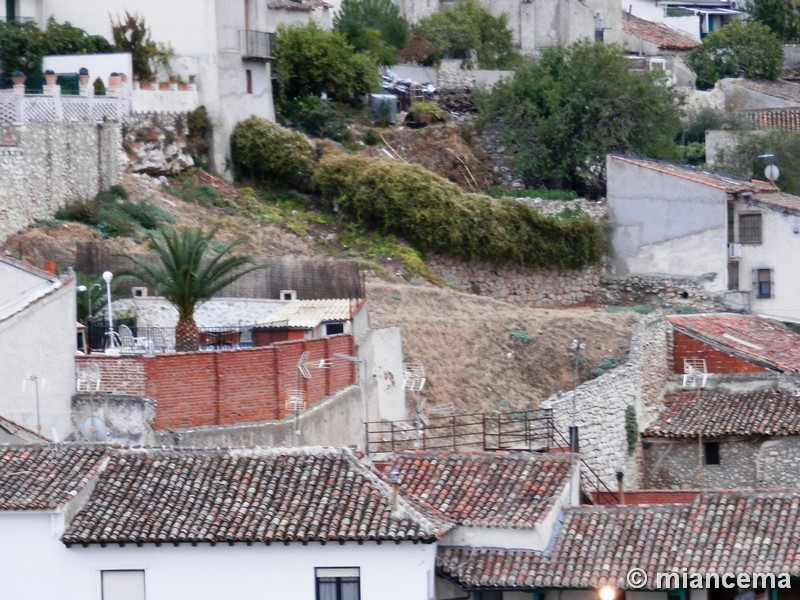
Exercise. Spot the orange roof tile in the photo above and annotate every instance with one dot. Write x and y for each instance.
(656, 33)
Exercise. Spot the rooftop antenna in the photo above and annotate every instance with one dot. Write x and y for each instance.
(771, 171)
(94, 429)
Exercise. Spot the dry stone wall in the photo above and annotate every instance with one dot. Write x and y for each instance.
(600, 404)
(46, 165)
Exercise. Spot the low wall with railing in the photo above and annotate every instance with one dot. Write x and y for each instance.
(17, 107)
(225, 387)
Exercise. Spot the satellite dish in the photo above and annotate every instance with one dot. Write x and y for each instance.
(94, 429)
(771, 172)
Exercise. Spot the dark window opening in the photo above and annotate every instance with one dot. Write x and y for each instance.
(249, 75)
(763, 284)
(334, 328)
(750, 228)
(711, 453)
(733, 275)
(338, 584)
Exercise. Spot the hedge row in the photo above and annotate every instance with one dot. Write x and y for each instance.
(434, 215)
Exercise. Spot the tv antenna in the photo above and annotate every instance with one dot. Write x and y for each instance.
(94, 429)
(771, 171)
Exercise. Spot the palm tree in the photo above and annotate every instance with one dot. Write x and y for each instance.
(193, 268)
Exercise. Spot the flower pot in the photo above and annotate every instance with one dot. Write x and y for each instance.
(18, 78)
(163, 85)
(114, 80)
(183, 86)
(50, 77)
(145, 85)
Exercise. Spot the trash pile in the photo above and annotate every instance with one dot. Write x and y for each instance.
(406, 90)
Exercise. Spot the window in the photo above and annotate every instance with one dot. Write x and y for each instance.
(334, 328)
(763, 285)
(249, 74)
(122, 585)
(733, 275)
(288, 295)
(711, 453)
(342, 583)
(750, 228)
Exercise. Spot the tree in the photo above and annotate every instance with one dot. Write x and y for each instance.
(374, 26)
(745, 159)
(781, 16)
(739, 49)
(563, 117)
(193, 268)
(131, 34)
(462, 30)
(310, 61)
(23, 45)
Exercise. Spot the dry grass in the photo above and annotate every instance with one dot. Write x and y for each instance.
(471, 360)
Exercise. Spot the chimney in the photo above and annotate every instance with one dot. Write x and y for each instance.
(620, 487)
(394, 478)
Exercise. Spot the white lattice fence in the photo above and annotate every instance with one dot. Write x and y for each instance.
(16, 108)
(10, 108)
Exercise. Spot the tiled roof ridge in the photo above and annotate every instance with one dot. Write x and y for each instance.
(682, 171)
(485, 455)
(406, 508)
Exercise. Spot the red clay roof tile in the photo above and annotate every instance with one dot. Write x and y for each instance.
(658, 34)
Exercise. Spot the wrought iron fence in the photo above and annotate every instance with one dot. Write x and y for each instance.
(162, 339)
(523, 430)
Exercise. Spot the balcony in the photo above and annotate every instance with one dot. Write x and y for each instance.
(256, 45)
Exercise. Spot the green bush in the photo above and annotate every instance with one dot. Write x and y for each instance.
(434, 215)
(113, 215)
(272, 154)
(317, 117)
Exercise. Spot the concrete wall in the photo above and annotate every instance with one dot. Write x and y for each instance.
(779, 250)
(382, 353)
(600, 404)
(128, 419)
(719, 142)
(740, 98)
(29, 540)
(51, 164)
(37, 361)
(662, 224)
(744, 462)
(335, 421)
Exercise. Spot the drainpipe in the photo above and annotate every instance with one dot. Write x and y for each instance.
(620, 488)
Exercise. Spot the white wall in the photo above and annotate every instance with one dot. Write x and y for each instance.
(37, 565)
(99, 65)
(39, 341)
(382, 374)
(779, 251)
(655, 215)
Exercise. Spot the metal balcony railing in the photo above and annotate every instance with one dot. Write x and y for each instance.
(256, 45)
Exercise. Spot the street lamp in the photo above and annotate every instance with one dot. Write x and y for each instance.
(83, 288)
(107, 277)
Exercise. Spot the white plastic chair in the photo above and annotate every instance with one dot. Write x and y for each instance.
(130, 343)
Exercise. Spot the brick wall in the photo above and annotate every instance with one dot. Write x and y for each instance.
(649, 497)
(716, 360)
(195, 389)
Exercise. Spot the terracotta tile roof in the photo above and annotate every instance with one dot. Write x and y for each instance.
(487, 489)
(778, 201)
(656, 33)
(776, 118)
(44, 477)
(788, 90)
(307, 314)
(275, 495)
(715, 414)
(720, 181)
(759, 340)
(720, 532)
(299, 5)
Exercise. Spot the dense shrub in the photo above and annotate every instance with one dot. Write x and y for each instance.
(317, 117)
(434, 215)
(113, 215)
(271, 154)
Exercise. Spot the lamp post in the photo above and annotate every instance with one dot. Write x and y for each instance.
(107, 277)
(83, 288)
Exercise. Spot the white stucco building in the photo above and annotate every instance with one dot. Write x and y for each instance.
(225, 44)
(740, 239)
(37, 348)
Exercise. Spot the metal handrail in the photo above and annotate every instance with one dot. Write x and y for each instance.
(594, 473)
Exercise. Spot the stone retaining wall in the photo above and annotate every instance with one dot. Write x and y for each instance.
(51, 164)
(600, 404)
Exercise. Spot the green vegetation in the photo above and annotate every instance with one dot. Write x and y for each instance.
(781, 16)
(467, 31)
(542, 193)
(434, 215)
(363, 244)
(24, 45)
(198, 140)
(317, 117)
(112, 214)
(521, 336)
(271, 154)
(743, 160)
(131, 34)
(310, 62)
(631, 428)
(563, 119)
(373, 26)
(194, 267)
(740, 49)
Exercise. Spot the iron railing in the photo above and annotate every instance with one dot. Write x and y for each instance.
(163, 338)
(527, 430)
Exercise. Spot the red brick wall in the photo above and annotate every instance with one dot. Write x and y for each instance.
(649, 497)
(225, 387)
(716, 361)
